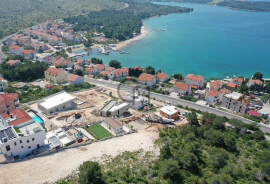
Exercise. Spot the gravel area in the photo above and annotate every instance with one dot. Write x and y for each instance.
(55, 166)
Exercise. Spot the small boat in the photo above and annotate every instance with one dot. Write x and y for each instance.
(121, 52)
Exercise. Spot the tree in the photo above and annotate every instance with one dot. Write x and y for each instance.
(69, 49)
(79, 72)
(258, 75)
(165, 152)
(55, 89)
(115, 64)
(243, 89)
(150, 70)
(106, 77)
(178, 76)
(169, 169)
(96, 60)
(90, 172)
(192, 118)
(10, 89)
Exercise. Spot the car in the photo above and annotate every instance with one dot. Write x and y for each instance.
(38, 80)
(178, 94)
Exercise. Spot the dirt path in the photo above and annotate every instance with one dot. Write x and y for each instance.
(53, 167)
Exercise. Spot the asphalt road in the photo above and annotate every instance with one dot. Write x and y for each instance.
(177, 101)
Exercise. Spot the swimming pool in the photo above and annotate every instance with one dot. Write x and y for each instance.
(35, 117)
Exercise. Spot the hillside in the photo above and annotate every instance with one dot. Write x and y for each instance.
(16, 15)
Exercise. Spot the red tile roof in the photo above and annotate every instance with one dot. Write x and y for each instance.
(214, 84)
(125, 69)
(61, 61)
(80, 60)
(105, 72)
(118, 71)
(20, 114)
(89, 69)
(11, 62)
(48, 86)
(90, 75)
(161, 75)
(27, 51)
(232, 85)
(145, 76)
(224, 90)
(73, 77)
(256, 81)
(54, 71)
(195, 77)
(194, 86)
(181, 85)
(99, 66)
(109, 68)
(253, 113)
(212, 93)
(236, 79)
(16, 47)
(77, 67)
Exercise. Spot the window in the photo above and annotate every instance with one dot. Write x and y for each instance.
(27, 141)
(22, 147)
(10, 102)
(15, 143)
(7, 147)
(29, 147)
(33, 139)
(64, 107)
(20, 141)
(2, 106)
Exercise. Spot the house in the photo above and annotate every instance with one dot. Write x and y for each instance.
(75, 79)
(253, 113)
(110, 69)
(99, 67)
(55, 75)
(59, 137)
(105, 73)
(147, 79)
(20, 134)
(15, 49)
(136, 101)
(237, 81)
(182, 88)
(118, 73)
(48, 86)
(195, 81)
(231, 85)
(214, 85)
(125, 71)
(63, 62)
(236, 102)
(253, 82)
(8, 101)
(77, 67)
(90, 76)
(113, 107)
(28, 53)
(169, 112)
(213, 97)
(222, 92)
(3, 84)
(13, 62)
(90, 70)
(161, 77)
(113, 125)
(139, 67)
(61, 101)
(20, 85)
(80, 62)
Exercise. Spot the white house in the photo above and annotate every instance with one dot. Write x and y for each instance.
(99, 67)
(214, 85)
(195, 81)
(80, 62)
(161, 77)
(20, 134)
(253, 82)
(237, 81)
(61, 101)
(15, 49)
(77, 67)
(75, 79)
(213, 97)
(3, 84)
(147, 79)
(182, 88)
(118, 73)
(135, 101)
(113, 125)
(113, 107)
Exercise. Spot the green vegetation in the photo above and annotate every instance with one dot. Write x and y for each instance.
(69, 50)
(70, 42)
(26, 71)
(90, 172)
(96, 61)
(99, 131)
(195, 154)
(115, 64)
(61, 53)
(150, 70)
(121, 24)
(77, 87)
(190, 98)
(186, 1)
(16, 15)
(178, 76)
(246, 5)
(17, 130)
(134, 72)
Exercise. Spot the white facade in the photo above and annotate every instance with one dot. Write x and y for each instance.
(113, 125)
(236, 102)
(3, 84)
(58, 102)
(135, 101)
(78, 80)
(194, 80)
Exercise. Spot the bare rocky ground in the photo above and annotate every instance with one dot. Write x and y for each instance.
(58, 165)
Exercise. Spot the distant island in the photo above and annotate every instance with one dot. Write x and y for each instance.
(241, 5)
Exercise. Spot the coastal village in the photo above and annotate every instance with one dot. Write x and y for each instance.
(100, 111)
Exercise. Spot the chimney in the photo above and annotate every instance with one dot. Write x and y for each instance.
(8, 112)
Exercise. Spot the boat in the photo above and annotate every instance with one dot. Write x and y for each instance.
(121, 52)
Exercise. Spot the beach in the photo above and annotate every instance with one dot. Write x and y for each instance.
(137, 38)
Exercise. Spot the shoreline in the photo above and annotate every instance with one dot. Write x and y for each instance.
(129, 41)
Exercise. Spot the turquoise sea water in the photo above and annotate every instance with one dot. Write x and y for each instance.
(211, 41)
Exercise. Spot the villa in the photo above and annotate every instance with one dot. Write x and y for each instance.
(181, 88)
(147, 79)
(195, 81)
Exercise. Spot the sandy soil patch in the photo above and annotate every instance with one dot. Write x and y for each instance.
(53, 167)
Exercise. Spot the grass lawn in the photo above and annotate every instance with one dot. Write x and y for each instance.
(99, 131)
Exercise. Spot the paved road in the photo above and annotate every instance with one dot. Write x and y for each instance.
(177, 101)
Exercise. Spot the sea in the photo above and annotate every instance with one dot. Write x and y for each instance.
(212, 41)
